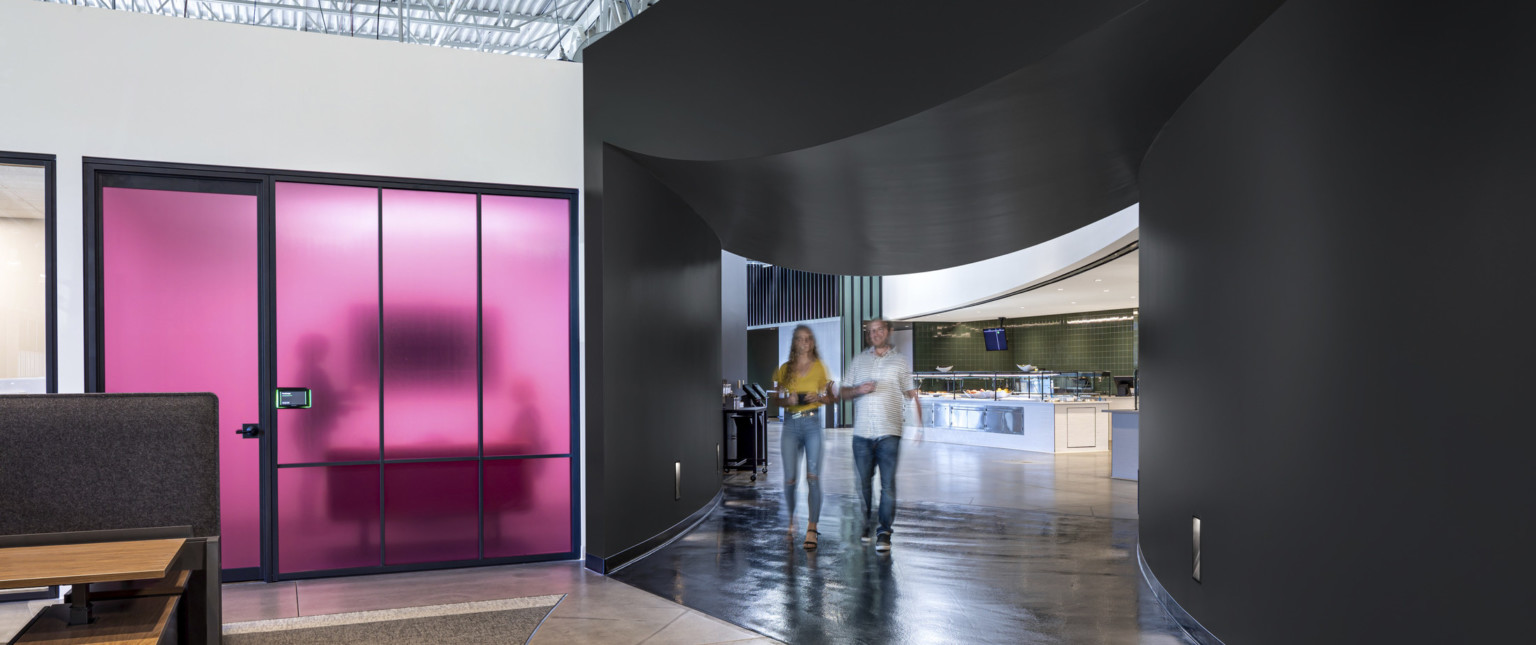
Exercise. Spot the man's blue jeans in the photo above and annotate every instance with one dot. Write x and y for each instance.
(867, 454)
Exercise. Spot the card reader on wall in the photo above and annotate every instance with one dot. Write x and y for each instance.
(293, 397)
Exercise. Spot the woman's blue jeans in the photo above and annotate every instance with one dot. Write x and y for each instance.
(802, 435)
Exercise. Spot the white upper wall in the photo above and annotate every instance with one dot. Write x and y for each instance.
(917, 294)
(80, 82)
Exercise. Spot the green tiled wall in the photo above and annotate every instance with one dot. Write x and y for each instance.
(1047, 342)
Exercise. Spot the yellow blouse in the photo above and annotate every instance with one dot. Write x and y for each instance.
(812, 381)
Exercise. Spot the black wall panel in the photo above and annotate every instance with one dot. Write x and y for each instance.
(763, 357)
(653, 358)
(1339, 220)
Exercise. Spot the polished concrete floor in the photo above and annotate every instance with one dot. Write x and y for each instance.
(991, 546)
(594, 610)
(15, 614)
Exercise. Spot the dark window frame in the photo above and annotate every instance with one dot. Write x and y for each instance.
(49, 164)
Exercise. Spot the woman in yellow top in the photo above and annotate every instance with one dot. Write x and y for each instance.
(803, 387)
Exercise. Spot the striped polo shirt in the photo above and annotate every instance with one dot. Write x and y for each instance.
(879, 412)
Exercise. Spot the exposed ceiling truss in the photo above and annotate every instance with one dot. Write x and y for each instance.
(554, 29)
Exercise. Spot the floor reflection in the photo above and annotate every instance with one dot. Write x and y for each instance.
(958, 573)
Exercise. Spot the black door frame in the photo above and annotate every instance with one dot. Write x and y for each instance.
(102, 172)
(99, 174)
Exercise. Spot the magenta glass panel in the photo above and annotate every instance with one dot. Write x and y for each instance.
(431, 511)
(525, 257)
(327, 247)
(431, 389)
(179, 297)
(527, 506)
(327, 517)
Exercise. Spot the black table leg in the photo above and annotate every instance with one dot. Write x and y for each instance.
(80, 605)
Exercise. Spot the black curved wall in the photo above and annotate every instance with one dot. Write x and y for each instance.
(1336, 282)
(653, 359)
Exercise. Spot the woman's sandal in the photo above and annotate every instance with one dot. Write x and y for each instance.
(810, 538)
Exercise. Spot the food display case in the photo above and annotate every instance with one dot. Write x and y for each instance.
(1036, 411)
(1048, 386)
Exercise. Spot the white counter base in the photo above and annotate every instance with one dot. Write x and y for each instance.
(1126, 428)
(1035, 426)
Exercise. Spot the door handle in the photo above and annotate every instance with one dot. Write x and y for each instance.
(249, 431)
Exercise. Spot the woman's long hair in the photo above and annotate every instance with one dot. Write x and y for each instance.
(794, 352)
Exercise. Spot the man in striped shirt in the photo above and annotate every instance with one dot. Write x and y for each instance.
(879, 380)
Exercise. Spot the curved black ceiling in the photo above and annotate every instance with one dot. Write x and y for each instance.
(881, 152)
(726, 79)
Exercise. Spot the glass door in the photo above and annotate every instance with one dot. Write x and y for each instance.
(180, 312)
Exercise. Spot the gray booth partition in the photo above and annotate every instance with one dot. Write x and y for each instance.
(111, 467)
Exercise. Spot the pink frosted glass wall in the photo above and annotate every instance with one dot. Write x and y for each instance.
(525, 248)
(431, 373)
(431, 511)
(180, 312)
(327, 287)
(527, 506)
(328, 517)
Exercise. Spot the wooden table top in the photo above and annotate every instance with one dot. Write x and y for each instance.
(140, 621)
(65, 564)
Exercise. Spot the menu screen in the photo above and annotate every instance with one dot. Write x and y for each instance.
(997, 339)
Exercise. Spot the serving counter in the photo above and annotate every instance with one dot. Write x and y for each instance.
(1018, 423)
(1026, 410)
